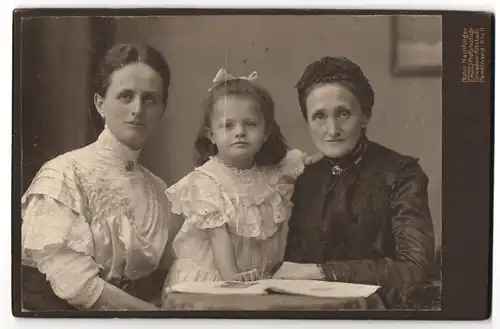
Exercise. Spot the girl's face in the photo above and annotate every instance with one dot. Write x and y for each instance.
(335, 119)
(238, 128)
(133, 104)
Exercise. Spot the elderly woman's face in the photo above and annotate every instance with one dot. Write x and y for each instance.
(335, 119)
(133, 104)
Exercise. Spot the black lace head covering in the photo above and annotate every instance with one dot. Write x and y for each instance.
(336, 70)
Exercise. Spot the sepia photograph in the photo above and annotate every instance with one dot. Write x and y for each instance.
(231, 162)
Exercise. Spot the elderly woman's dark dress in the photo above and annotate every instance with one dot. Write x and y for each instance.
(364, 217)
(379, 231)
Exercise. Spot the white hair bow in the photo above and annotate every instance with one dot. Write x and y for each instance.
(223, 75)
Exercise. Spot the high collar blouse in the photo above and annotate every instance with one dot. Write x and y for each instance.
(93, 215)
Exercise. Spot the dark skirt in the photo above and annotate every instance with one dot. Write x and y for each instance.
(37, 294)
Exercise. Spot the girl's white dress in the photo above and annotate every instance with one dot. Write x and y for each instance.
(95, 215)
(254, 204)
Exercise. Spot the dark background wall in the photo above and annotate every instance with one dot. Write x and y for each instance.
(57, 112)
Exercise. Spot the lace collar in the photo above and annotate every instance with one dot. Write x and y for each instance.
(233, 170)
(110, 148)
(215, 166)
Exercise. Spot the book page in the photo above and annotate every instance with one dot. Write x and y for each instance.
(221, 288)
(292, 287)
(320, 288)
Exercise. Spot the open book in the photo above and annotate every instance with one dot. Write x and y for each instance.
(291, 287)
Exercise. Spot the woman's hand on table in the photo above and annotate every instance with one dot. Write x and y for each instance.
(298, 271)
(252, 275)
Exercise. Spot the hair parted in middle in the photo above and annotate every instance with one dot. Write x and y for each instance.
(274, 148)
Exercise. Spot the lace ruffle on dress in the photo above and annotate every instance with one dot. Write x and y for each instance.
(254, 204)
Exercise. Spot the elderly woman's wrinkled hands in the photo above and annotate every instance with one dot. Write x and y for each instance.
(298, 271)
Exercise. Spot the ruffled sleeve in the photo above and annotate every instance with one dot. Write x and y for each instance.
(290, 168)
(55, 187)
(292, 165)
(56, 236)
(201, 201)
(73, 276)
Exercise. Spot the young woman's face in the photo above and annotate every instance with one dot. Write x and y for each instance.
(133, 104)
(238, 129)
(335, 119)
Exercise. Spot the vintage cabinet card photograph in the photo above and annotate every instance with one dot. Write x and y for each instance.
(252, 163)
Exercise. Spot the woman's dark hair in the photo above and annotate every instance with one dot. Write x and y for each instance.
(274, 148)
(340, 70)
(122, 54)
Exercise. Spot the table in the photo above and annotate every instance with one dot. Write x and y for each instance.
(281, 302)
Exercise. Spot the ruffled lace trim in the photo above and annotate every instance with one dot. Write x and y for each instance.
(186, 270)
(49, 225)
(41, 226)
(138, 239)
(139, 243)
(204, 197)
(200, 200)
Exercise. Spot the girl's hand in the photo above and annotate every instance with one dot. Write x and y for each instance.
(298, 271)
(251, 275)
(310, 159)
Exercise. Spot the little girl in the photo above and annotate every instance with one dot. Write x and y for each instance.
(237, 202)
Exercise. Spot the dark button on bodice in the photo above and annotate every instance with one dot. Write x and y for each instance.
(129, 166)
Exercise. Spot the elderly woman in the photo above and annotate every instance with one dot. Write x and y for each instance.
(95, 222)
(361, 214)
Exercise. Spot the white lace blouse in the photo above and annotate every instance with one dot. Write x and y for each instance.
(94, 215)
(254, 204)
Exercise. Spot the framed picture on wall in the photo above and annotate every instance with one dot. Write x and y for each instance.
(417, 45)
